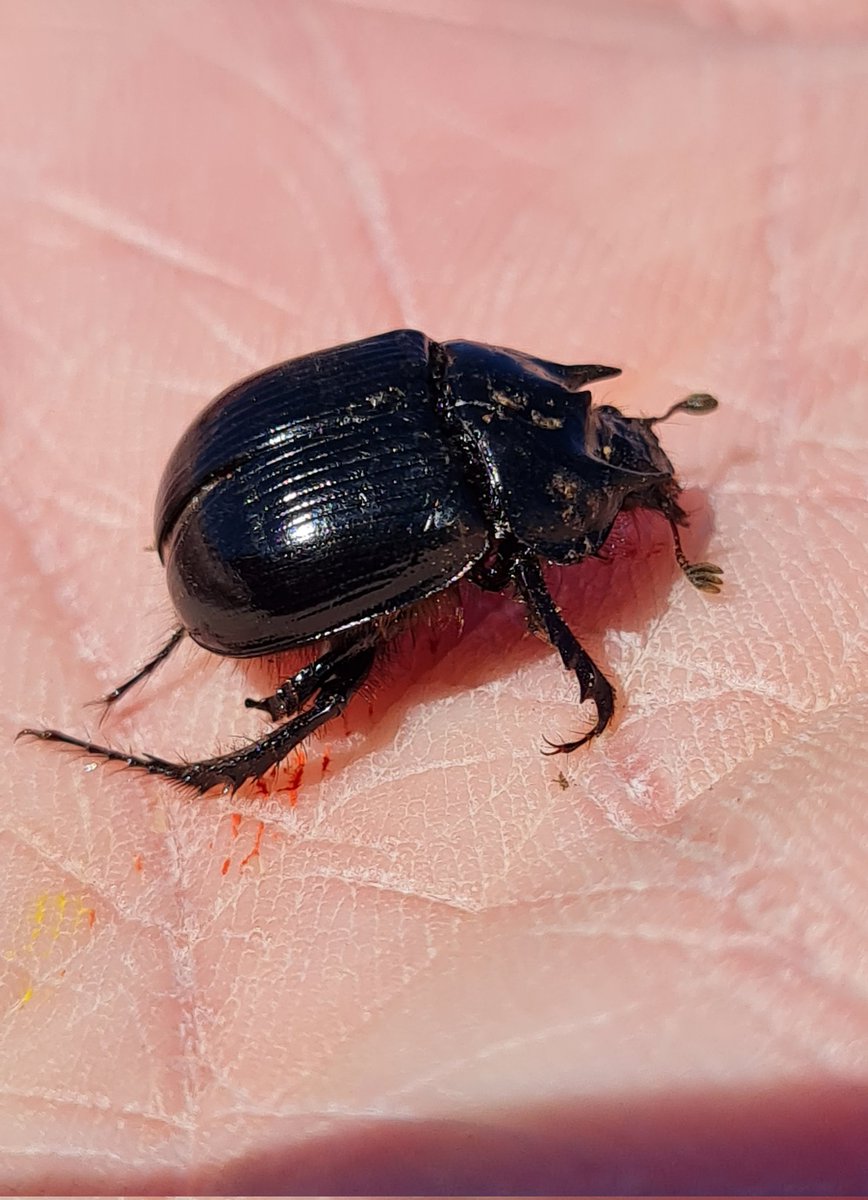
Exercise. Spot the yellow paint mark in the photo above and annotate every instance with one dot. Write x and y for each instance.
(38, 919)
(55, 924)
(50, 917)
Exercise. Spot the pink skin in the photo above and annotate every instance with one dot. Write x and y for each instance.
(446, 967)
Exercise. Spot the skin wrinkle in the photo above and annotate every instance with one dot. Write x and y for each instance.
(306, 205)
(124, 513)
(367, 188)
(780, 187)
(30, 330)
(225, 336)
(58, 1097)
(78, 1154)
(444, 1070)
(272, 91)
(767, 951)
(788, 1036)
(393, 887)
(153, 244)
(58, 615)
(193, 1066)
(457, 20)
(771, 23)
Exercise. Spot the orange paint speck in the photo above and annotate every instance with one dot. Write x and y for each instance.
(224, 870)
(254, 853)
(326, 759)
(137, 863)
(91, 917)
(236, 823)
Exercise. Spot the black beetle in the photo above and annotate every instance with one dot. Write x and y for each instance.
(321, 500)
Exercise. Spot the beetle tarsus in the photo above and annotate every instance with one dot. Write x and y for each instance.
(251, 761)
(141, 762)
(162, 654)
(703, 575)
(544, 615)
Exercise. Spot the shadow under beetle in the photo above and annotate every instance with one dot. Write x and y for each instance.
(317, 502)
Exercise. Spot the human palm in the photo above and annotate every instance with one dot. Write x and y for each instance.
(442, 961)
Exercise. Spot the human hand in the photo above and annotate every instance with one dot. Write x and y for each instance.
(448, 966)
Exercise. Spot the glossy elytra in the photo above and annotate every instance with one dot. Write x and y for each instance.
(318, 502)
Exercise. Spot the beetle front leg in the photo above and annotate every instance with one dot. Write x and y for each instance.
(253, 760)
(544, 615)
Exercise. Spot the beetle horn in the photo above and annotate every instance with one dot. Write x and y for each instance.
(580, 374)
(696, 402)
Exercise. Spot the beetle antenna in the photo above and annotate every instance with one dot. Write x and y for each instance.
(696, 402)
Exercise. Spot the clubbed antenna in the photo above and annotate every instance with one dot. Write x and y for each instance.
(696, 402)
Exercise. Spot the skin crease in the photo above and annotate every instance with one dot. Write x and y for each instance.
(446, 967)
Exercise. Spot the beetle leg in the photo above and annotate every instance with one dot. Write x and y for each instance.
(160, 657)
(253, 760)
(494, 571)
(545, 616)
(295, 692)
(703, 575)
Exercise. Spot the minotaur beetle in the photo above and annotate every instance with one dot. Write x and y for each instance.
(318, 502)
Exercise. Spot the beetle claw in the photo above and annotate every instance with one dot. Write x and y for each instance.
(569, 747)
(604, 699)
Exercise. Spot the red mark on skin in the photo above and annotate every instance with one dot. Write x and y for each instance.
(254, 853)
(234, 826)
(91, 917)
(261, 787)
(326, 759)
(296, 775)
(137, 863)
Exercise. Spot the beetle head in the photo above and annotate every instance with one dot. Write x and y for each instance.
(629, 445)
